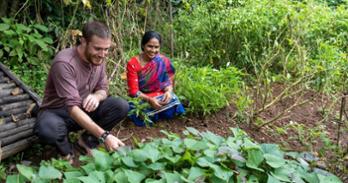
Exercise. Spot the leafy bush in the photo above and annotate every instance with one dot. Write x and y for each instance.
(206, 89)
(199, 157)
(218, 32)
(26, 50)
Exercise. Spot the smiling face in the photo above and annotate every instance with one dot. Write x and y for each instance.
(151, 48)
(96, 49)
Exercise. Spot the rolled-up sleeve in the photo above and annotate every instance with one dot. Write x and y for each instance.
(65, 84)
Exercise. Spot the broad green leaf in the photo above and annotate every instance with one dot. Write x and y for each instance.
(195, 145)
(187, 157)
(157, 166)
(41, 27)
(73, 174)
(255, 158)
(152, 153)
(26, 171)
(274, 161)
(88, 179)
(155, 181)
(328, 179)
(120, 177)
(4, 27)
(203, 162)
(49, 172)
(133, 176)
(42, 44)
(88, 167)
(20, 28)
(128, 161)
(15, 179)
(271, 179)
(172, 177)
(215, 139)
(195, 172)
(48, 40)
(282, 174)
(252, 179)
(222, 173)
(231, 153)
(102, 160)
(139, 155)
(193, 131)
(272, 149)
(71, 180)
(309, 177)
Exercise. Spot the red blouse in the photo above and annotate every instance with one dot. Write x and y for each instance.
(133, 67)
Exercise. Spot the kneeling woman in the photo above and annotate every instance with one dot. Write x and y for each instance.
(150, 76)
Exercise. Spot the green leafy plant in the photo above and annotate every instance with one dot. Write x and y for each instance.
(206, 89)
(199, 157)
(26, 50)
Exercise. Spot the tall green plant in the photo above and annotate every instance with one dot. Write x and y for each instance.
(27, 50)
(206, 89)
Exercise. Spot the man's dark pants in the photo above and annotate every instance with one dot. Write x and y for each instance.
(53, 125)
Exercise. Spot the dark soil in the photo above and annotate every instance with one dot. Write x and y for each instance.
(297, 130)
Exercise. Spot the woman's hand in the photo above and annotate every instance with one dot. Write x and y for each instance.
(167, 96)
(154, 103)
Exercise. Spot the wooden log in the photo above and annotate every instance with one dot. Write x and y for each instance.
(20, 84)
(9, 126)
(12, 112)
(15, 105)
(4, 79)
(18, 136)
(16, 118)
(11, 99)
(8, 92)
(16, 147)
(17, 130)
(7, 85)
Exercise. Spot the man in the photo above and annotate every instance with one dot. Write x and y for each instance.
(76, 96)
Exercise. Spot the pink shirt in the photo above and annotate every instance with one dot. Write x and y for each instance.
(71, 80)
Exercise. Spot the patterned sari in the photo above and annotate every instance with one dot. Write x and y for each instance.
(151, 80)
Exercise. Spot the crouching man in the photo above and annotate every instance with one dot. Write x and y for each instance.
(76, 96)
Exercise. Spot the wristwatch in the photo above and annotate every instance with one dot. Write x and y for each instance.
(102, 137)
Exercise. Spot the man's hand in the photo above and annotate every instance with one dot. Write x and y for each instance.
(90, 103)
(112, 143)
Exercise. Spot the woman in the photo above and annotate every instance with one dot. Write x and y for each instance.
(150, 77)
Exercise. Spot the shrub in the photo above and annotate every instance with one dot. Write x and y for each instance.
(206, 89)
(27, 50)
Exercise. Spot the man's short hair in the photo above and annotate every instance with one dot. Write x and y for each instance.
(96, 28)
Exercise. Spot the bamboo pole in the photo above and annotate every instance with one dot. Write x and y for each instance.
(18, 117)
(12, 112)
(16, 147)
(4, 93)
(4, 79)
(15, 105)
(11, 99)
(20, 84)
(7, 85)
(16, 137)
(17, 130)
(10, 126)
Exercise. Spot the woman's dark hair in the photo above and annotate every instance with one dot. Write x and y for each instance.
(95, 28)
(148, 36)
